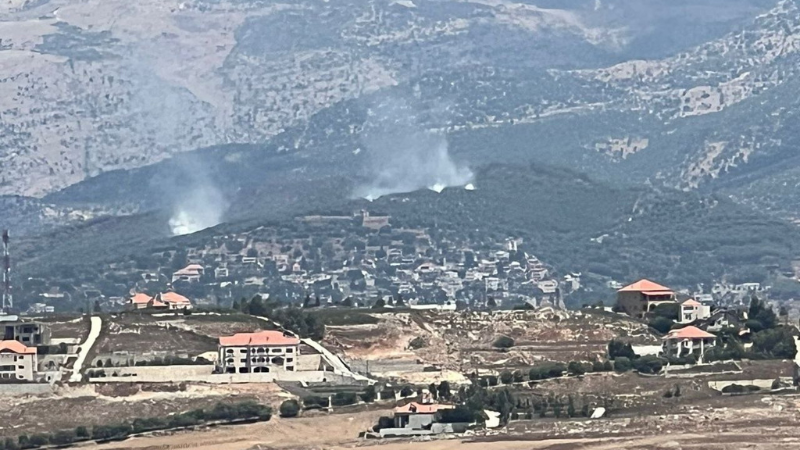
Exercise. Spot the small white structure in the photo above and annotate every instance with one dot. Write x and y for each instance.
(190, 273)
(692, 310)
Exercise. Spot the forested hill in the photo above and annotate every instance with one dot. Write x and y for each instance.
(565, 218)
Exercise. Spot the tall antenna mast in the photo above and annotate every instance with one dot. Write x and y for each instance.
(8, 302)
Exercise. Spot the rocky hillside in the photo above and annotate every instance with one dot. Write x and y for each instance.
(94, 86)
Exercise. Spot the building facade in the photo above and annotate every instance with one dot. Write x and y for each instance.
(641, 297)
(261, 352)
(17, 362)
(27, 333)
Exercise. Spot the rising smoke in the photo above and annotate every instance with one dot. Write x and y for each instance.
(166, 114)
(197, 204)
(401, 156)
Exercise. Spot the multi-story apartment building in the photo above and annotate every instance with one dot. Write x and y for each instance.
(264, 351)
(17, 361)
(28, 333)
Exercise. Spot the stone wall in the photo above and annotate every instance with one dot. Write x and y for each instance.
(204, 374)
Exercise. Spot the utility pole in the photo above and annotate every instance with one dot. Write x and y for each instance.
(8, 302)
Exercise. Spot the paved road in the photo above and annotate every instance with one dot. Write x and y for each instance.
(87, 345)
(339, 367)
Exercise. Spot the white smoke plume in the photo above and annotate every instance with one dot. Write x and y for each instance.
(197, 203)
(401, 156)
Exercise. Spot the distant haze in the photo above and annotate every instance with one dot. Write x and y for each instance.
(401, 156)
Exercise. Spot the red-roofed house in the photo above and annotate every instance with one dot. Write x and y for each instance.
(144, 301)
(17, 361)
(686, 341)
(692, 310)
(417, 416)
(190, 273)
(263, 351)
(639, 298)
(173, 300)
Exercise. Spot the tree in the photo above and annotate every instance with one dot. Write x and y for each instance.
(503, 342)
(622, 364)
(775, 343)
(290, 408)
(82, 432)
(570, 407)
(669, 311)
(506, 377)
(406, 391)
(618, 349)
(432, 390)
(491, 303)
(575, 368)
(761, 312)
(444, 390)
(661, 324)
(379, 303)
(518, 377)
(317, 302)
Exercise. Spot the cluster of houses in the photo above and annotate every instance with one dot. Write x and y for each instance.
(698, 320)
(166, 301)
(420, 271)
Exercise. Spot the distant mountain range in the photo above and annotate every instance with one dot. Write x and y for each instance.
(242, 112)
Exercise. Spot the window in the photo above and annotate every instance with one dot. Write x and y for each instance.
(243, 360)
(229, 351)
(276, 350)
(289, 350)
(288, 360)
(243, 350)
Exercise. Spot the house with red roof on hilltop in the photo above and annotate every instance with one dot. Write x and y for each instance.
(259, 352)
(641, 297)
(191, 273)
(166, 300)
(17, 362)
(687, 341)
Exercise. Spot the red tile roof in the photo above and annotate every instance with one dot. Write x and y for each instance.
(174, 297)
(260, 338)
(688, 333)
(421, 408)
(16, 347)
(140, 299)
(647, 287)
(691, 302)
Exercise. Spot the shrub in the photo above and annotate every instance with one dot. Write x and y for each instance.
(515, 416)
(597, 366)
(661, 324)
(106, 432)
(63, 437)
(491, 380)
(622, 364)
(417, 343)
(406, 391)
(503, 342)
(383, 422)
(648, 364)
(369, 395)
(575, 368)
(11, 444)
(733, 389)
(459, 414)
(607, 366)
(344, 399)
(668, 394)
(148, 424)
(39, 440)
(506, 377)
(618, 349)
(518, 377)
(776, 383)
(82, 433)
(290, 408)
(312, 401)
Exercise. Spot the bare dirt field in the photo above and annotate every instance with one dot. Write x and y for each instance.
(726, 423)
(114, 403)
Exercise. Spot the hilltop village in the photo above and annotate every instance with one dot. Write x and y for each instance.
(427, 370)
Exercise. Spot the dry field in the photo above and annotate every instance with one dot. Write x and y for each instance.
(727, 423)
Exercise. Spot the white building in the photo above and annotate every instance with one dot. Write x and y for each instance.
(17, 361)
(692, 310)
(261, 352)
